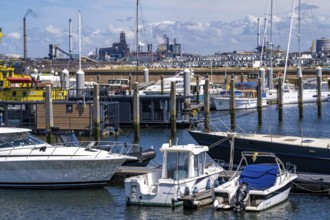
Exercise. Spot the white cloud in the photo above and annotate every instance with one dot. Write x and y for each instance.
(14, 35)
(53, 30)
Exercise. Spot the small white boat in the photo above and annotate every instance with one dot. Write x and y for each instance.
(244, 99)
(185, 170)
(29, 162)
(259, 186)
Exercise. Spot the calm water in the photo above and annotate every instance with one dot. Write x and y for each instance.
(109, 202)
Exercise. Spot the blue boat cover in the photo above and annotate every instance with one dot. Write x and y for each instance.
(259, 176)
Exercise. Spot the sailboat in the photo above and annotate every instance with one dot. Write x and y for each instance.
(309, 92)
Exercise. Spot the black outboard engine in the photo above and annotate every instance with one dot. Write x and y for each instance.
(240, 195)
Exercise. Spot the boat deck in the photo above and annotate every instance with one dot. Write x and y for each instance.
(291, 140)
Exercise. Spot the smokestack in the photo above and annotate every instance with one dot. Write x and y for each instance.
(24, 33)
(70, 39)
(258, 33)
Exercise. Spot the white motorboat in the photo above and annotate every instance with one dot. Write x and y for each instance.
(185, 170)
(29, 162)
(244, 99)
(258, 186)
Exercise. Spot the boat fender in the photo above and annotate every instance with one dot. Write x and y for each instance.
(186, 191)
(208, 184)
(216, 183)
(42, 149)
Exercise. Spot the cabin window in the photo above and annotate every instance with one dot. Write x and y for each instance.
(177, 165)
(24, 94)
(14, 94)
(199, 163)
(146, 110)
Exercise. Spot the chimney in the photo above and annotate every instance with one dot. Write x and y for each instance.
(258, 33)
(70, 39)
(24, 34)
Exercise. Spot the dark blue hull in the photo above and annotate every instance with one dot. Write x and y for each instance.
(307, 159)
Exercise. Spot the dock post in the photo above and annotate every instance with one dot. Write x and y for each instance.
(130, 84)
(146, 75)
(162, 84)
(186, 91)
(280, 99)
(197, 90)
(259, 101)
(49, 114)
(232, 103)
(242, 77)
(173, 109)
(96, 113)
(270, 78)
(300, 93)
(136, 113)
(206, 106)
(319, 91)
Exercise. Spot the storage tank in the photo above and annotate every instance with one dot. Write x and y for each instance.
(323, 44)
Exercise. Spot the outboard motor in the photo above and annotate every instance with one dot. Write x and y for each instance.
(240, 195)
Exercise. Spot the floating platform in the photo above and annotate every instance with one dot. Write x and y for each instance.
(198, 199)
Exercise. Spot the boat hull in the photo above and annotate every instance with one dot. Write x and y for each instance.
(223, 103)
(57, 173)
(308, 159)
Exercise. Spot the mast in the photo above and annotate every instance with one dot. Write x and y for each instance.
(79, 38)
(298, 36)
(270, 74)
(137, 40)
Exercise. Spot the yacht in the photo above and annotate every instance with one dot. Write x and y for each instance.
(29, 162)
(186, 170)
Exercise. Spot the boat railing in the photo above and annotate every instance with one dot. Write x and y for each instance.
(110, 146)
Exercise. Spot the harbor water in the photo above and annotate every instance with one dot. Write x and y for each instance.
(109, 202)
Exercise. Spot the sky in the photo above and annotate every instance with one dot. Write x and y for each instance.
(201, 27)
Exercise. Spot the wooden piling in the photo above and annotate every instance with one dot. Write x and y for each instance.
(206, 106)
(136, 113)
(280, 99)
(242, 77)
(130, 84)
(259, 101)
(96, 113)
(319, 91)
(162, 84)
(300, 94)
(173, 109)
(49, 114)
(197, 90)
(232, 103)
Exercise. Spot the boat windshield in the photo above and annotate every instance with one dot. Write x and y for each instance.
(22, 139)
(177, 165)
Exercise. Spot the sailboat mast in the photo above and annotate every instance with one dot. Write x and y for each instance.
(270, 73)
(79, 39)
(137, 40)
(298, 35)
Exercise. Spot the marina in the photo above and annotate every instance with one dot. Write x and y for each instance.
(163, 133)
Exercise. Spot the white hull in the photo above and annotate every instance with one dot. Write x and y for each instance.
(291, 97)
(152, 190)
(223, 103)
(57, 167)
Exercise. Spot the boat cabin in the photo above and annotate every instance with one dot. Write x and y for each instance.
(183, 161)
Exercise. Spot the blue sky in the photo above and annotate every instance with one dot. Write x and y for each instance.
(203, 27)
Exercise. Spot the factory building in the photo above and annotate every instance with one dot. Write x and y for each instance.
(169, 50)
(118, 50)
(323, 45)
